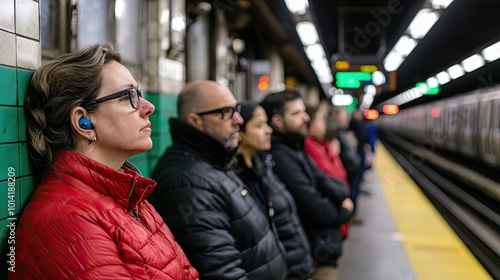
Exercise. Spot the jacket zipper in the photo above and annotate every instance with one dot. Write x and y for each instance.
(135, 209)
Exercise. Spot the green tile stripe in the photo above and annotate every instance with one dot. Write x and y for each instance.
(13, 83)
(23, 78)
(9, 124)
(8, 83)
(10, 159)
(165, 107)
(163, 102)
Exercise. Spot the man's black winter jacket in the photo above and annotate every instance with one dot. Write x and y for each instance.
(218, 224)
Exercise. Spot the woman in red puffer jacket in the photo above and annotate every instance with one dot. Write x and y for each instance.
(323, 154)
(89, 218)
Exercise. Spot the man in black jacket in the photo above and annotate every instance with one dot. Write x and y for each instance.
(323, 203)
(206, 206)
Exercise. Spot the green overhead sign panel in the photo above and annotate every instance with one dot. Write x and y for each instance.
(428, 90)
(351, 79)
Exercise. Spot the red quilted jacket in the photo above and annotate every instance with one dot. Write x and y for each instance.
(330, 163)
(321, 152)
(88, 221)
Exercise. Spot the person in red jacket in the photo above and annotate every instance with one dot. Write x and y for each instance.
(323, 154)
(321, 150)
(89, 217)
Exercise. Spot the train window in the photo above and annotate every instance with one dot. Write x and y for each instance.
(485, 127)
(54, 22)
(473, 119)
(494, 137)
(495, 116)
(487, 113)
(46, 24)
(451, 117)
(128, 20)
(465, 118)
(92, 22)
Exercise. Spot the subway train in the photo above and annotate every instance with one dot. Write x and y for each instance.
(467, 124)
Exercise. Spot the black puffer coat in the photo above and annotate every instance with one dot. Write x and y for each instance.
(282, 212)
(218, 224)
(318, 197)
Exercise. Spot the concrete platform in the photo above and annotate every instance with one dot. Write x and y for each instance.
(402, 237)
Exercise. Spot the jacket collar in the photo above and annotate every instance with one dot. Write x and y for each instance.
(261, 161)
(294, 140)
(322, 142)
(201, 144)
(127, 187)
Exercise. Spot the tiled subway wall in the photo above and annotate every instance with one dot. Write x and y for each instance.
(19, 56)
(165, 107)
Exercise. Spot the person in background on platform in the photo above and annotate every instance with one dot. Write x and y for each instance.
(322, 153)
(348, 143)
(323, 202)
(371, 131)
(89, 218)
(209, 209)
(255, 170)
(357, 125)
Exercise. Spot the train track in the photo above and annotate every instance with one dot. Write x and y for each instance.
(466, 199)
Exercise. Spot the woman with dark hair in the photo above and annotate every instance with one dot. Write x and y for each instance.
(89, 218)
(255, 169)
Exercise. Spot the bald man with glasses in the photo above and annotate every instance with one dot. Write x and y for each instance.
(213, 217)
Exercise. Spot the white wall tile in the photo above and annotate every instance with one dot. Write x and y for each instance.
(153, 48)
(152, 9)
(7, 48)
(27, 19)
(153, 29)
(28, 53)
(7, 15)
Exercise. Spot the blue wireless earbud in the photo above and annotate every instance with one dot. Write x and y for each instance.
(85, 123)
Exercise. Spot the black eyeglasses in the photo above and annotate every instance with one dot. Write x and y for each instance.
(226, 112)
(134, 96)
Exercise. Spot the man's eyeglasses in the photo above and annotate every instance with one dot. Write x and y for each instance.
(134, 96)
(226, 112)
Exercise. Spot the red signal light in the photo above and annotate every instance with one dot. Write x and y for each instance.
(342, 64)
(371, 114)
(263, 82)
(390, 109)
(436, 112)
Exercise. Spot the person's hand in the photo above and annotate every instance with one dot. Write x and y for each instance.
(348, 204)
(335, 145)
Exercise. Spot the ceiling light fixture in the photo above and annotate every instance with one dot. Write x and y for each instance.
(307, 33)
(456, 71)
(472, 63)
(417, 29)
(492, 52)
(298, 7)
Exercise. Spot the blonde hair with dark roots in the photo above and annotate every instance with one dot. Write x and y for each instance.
(54, 90)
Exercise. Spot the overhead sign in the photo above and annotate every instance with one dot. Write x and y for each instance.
(426, 89)
(352, 79)
(356, 76)
(342, 65)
